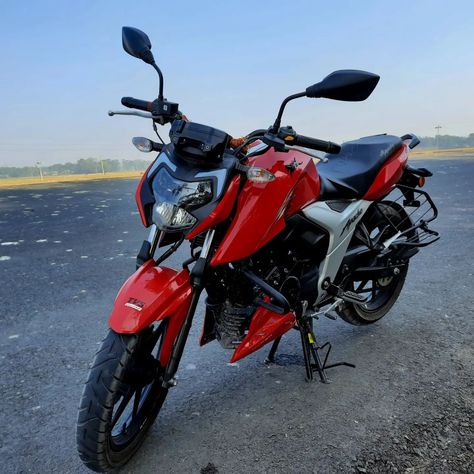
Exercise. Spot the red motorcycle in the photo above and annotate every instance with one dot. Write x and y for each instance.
(279, 236)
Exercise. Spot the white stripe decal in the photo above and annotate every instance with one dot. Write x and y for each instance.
(134, 306)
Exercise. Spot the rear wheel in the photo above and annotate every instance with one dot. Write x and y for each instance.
(381, 293)
(121, 399)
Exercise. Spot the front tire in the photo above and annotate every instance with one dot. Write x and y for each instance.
(121, 399)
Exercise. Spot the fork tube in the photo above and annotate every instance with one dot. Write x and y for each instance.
(197, 282)
(154, 237)
(178, 346)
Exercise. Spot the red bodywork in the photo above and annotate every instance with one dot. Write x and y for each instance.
(388, 176)
(151, 294)
(157, 293)
(263, 207)
(222, 210)
(265, 327)
(138, 197)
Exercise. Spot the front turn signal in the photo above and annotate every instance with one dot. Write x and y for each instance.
(260, 175)
(142, 144)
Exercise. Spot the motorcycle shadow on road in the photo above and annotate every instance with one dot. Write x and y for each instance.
(250, 404)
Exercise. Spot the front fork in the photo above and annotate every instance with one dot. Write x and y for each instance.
(197, 283)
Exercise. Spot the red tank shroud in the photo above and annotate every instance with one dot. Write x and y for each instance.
(152, 294)
(263, 207)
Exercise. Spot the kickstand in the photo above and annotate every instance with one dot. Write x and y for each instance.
(311, 350)
(271, 355)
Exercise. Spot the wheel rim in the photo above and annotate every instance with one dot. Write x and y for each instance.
(140, 395)
(376, 292)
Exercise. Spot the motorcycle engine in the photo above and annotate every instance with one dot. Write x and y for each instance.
(231, 323)
(231, 298)
(283, 264)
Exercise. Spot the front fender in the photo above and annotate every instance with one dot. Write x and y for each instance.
(151, 294)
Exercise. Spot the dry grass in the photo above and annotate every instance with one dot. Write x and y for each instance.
(14, 182)
(443, 153)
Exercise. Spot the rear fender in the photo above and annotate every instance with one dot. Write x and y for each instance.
(152, 294)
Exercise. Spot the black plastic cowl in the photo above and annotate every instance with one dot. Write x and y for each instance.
(198, 143)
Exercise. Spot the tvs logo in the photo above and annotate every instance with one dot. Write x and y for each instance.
(351, 220)
(135, 304)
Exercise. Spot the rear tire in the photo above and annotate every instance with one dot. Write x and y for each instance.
(357, 315)
(367, 313)
(119, 369)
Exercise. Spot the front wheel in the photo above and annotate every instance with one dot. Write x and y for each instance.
(121, 399)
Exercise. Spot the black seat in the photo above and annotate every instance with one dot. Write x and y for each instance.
(350, 174)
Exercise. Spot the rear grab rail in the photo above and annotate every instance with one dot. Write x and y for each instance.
(418, 234)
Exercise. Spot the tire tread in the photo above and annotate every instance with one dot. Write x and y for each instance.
(98, 397)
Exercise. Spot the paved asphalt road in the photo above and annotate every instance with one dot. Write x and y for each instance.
(407, 407)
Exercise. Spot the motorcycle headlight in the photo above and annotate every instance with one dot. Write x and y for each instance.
(174, 199)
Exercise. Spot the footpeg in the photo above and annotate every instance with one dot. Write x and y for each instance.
(330, 315)
(348, 296)
(328, 312)
(353, 297)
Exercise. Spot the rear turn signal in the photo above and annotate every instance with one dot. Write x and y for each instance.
(421, 181)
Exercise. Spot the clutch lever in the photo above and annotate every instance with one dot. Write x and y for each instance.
(130, 112)
(307, 152)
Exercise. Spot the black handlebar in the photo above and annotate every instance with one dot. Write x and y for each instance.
(315, 144)
(290, 139)
(132, 103)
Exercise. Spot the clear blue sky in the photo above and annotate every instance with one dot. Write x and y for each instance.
(228, 64)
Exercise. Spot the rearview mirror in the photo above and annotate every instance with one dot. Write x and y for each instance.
(136, 43)
(348, 85)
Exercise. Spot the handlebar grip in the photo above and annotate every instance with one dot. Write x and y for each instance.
(132, 103)
(315, 144)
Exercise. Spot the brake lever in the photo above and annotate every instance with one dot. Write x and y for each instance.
(111, 113)
(307, 152)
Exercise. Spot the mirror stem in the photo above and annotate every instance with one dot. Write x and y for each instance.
(157, 69)
(277, 123)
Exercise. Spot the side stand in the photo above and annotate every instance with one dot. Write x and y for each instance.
(271, 355)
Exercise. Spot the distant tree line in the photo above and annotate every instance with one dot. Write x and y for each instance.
(447, 141)
(94, 165)
(82, 166)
